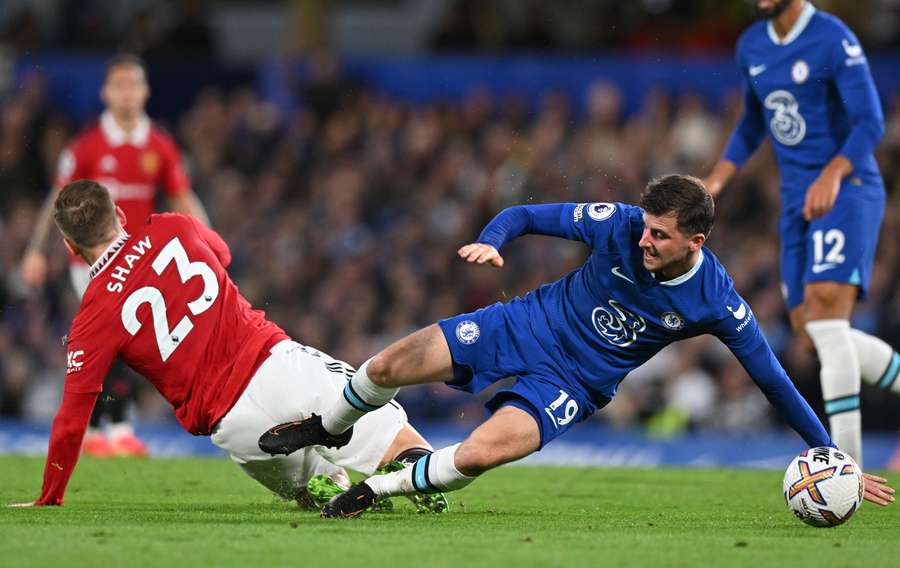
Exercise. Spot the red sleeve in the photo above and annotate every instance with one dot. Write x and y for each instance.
(215, 242)
(92, 346)
(65, 445)
(174, 177)
(91, 350)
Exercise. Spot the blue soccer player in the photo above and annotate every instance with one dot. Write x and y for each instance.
(647, 283)
(807, 84)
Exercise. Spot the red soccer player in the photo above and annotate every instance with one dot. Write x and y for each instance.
(132, 157)
(160, 299)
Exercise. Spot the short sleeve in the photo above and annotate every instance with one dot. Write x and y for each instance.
(174, 177)
(90, 350)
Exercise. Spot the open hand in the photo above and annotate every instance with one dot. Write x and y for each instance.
(481, 253)
(877, 491)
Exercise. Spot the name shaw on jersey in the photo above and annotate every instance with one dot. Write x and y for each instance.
(121, 271)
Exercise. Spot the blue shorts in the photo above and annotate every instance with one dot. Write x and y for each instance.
(839, 247)
(497, 342)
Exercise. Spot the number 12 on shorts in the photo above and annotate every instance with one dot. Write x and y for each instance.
(569, 412)
(834, 239)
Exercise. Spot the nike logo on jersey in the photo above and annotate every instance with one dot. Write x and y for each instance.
(852, 50)
(819, 268)
(756, 70)
(739, 313)
(618, 272)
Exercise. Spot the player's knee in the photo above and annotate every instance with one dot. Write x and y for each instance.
(380, 369)
(474, 459)
(821, 298)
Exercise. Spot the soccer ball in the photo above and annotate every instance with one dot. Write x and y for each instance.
(823, 487)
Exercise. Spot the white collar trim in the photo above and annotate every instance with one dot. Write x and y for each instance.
(687, 275)
(800, 25)
(116, 136)
(108, 255)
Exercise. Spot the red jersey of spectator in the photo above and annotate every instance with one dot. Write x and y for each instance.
(161, 301)
(130, 165)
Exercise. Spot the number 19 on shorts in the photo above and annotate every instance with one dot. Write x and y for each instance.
(569, 409)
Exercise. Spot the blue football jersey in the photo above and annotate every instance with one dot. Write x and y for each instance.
(813, 93)
(612, 315)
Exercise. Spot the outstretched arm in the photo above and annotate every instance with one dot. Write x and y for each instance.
(771, 378)
(66, 435)
(754, 353)
(519, 220)
(557, 219)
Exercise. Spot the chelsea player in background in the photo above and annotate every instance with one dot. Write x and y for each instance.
(807, 84)
(648, 282)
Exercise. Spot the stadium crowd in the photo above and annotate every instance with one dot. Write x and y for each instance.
(344, 218)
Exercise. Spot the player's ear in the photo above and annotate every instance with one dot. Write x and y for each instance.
(71, 247)
(120, 215)
(697, 241)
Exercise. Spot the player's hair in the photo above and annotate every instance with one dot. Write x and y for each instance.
(686, 197)
(123, 60)
(85, 213)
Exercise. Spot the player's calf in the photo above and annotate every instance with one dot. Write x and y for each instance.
(421, 357)
(430, 474)
(361, 395)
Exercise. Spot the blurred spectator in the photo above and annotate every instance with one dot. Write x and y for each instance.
(344, 220)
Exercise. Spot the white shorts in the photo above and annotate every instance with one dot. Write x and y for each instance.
(294, 382)
(80, 275)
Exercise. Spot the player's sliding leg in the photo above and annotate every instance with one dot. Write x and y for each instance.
(421, 357)
(510, 434)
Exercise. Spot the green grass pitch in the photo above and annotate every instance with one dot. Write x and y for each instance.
(206, 512)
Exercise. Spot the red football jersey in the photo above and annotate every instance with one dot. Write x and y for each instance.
(161, 301)
(130, 165)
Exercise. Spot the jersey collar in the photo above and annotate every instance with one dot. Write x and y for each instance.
(116, 136)
(106, 257)
(800, 25)
(687, 275)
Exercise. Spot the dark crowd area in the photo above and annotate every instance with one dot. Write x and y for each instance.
(344, 218)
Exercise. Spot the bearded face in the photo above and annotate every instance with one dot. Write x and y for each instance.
(770, 9)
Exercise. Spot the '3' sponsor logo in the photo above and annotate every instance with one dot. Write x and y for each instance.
(617, 324)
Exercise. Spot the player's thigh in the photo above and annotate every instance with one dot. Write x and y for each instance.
(829, 300)
(291, 384)
(491, 344)
(510, 434)
(841, 250)
(554, 404)
(421, 357)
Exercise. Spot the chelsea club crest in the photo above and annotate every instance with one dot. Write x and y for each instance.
(467, 332)
(672, 321)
